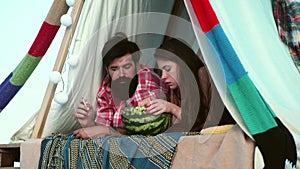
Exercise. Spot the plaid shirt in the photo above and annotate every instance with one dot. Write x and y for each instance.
(109, 112)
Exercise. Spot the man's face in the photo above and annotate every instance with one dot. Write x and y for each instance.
(122, 67)
(121, 71)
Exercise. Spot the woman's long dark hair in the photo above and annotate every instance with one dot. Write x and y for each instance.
(188, 92)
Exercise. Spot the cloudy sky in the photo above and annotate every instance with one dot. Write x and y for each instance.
(20, 23)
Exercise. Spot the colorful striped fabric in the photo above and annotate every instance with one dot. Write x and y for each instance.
(114, 151)
(15, 80)
(253, 72)
(253, 109)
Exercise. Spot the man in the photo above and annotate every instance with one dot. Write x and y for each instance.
(126, 82)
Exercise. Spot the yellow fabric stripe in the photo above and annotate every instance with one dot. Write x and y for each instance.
(217, 129)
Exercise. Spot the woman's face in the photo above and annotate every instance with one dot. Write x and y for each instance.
(169, 72)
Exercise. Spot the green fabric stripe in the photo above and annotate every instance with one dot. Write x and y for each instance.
(24, 69)
(255, 112)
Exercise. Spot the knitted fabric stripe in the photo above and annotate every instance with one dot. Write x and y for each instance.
(24, 70)
(8, 91)
(207, 19)
(234, 71)
(252, 106)
(43, 39)
(232, 66)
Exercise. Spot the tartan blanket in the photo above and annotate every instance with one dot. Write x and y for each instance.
(286, 15)
(115, 151)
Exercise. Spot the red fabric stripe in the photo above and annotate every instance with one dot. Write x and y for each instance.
(43, 39)
(205, 14)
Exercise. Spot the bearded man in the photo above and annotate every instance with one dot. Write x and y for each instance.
(126, 82)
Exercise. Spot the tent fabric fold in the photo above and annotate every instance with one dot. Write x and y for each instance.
(252, 36)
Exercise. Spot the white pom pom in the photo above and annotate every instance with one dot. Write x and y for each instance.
(70, 3)
(73, 61)
(55, 77)
(61, 98)
(66, 20)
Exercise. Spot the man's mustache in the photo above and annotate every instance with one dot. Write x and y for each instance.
(121, 90)
(124, 90)
(122, 79)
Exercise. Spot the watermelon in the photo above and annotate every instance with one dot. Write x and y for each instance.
(137, 121)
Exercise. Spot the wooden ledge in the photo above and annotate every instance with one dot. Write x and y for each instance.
(9, 153)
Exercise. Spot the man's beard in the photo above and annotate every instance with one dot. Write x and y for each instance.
(121, 90)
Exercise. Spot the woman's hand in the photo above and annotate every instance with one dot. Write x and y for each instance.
(159, 106)
(84, 114)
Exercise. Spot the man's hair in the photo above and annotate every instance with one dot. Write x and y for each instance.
(118, 46)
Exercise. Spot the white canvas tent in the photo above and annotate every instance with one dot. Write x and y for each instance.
(248, 58)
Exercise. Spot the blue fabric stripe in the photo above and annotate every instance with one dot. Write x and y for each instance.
(7, 92)
(234, 72)
(232, 66)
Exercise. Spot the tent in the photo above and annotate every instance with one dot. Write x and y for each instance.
(216, 28)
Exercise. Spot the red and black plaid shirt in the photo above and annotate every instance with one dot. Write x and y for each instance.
(109, 112)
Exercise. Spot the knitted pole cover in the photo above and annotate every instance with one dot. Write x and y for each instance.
(15, 80)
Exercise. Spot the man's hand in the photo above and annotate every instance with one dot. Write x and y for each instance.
(144, 102)
(94, 131)
(84, 114)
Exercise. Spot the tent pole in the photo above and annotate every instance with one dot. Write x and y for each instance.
(58, 66)
(176, 10)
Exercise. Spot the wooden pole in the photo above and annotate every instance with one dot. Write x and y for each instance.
(176, 10)
(58, 66)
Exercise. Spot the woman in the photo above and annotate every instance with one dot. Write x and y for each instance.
(190, 98)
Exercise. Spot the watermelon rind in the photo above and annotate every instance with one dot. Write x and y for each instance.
(137, 121)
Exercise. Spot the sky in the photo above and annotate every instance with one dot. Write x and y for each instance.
(20, 24)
